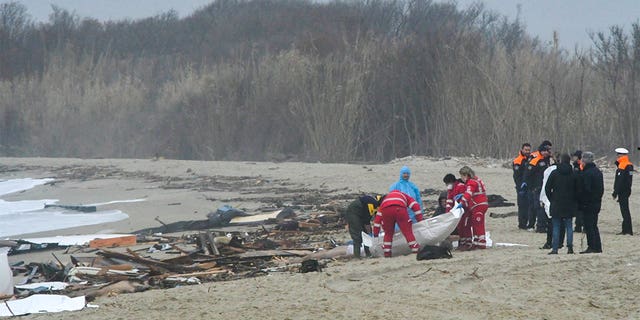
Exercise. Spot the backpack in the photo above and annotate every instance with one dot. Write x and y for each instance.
(433, 252)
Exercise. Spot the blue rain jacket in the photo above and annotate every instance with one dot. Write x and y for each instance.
(409, 188)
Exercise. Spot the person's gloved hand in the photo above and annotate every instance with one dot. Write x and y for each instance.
(523, 187)
(457, 197)
(459, 205)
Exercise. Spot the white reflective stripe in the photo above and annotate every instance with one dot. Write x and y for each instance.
(480, 237)
(477, 193)
(411, 204)
(412, 243)
(449, 200)
(468, 191)
(386, 243)
(478, 204)
(387, 250)
(394, 199)
(379, 213)
(377, 225)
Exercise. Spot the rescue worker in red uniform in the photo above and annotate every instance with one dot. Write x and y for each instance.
(519, 165)
(475, 202)
(454, 188)
(392, 210)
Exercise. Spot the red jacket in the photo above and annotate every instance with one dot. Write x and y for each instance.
(396, 198)
(475, 195)
(458, 188)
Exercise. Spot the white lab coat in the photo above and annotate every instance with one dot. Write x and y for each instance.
(544, 201)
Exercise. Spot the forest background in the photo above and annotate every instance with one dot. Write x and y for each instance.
(343, 81)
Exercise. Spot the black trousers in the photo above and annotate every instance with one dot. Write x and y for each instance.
(579, 219)
(627, 226)
(590, 218)
(523, 210)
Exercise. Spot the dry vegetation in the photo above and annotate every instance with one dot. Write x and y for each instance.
(278, 79)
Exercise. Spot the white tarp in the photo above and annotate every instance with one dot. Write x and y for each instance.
(430, 231)
(50, 286)
(41, 303)
(6, 276)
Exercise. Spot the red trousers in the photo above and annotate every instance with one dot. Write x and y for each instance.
(471, 228)
(391, 216)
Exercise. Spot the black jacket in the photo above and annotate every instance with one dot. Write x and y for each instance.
(623, 181)
(358, 210)
(534, 173)
(562, 190)
(592, 187)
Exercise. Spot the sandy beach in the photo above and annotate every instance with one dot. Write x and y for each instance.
(497, 283)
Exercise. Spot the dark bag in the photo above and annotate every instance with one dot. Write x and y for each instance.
(310, 266)
(433, 252)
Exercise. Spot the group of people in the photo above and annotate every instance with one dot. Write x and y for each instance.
(402, 206)
(550, 194)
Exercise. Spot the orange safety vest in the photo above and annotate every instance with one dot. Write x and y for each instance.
(623, 162)
(519, 159)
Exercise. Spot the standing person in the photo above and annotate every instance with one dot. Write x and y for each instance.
(533, 176)
(578, 166)
(474, 200)
(519, 165)
(358, 217)
(392, 210)
(546, 204)
(562, 191)
(592, 189)
(622, 188)
(409, 188)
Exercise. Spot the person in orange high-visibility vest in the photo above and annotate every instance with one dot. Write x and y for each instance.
(519, 165)
(392, 210)
(474, 200)
(622, 188)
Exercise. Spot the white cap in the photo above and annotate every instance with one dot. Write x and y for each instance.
(622, 151)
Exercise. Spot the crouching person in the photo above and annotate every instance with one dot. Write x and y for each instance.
(392, 210)
(358, 217)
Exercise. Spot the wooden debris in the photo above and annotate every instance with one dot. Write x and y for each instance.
(113, 242)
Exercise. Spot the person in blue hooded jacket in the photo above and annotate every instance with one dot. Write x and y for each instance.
(409, 188)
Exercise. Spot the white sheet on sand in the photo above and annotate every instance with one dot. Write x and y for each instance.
(77, 240)
(41, 303)
(430, 231)
(6, 277)
(51, 286)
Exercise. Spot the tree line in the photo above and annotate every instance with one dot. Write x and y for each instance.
(364, 80)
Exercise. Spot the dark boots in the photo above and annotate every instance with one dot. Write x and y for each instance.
(569, 249)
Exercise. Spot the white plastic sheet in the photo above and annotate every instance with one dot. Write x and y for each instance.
(6, 276)
(41, 303)
(430, 231)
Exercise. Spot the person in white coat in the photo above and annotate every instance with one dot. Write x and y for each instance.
(546, 204)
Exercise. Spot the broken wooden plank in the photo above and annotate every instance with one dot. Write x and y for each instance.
(122, 241)
(148, 262)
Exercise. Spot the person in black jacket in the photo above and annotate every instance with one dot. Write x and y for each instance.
(622, 188)
(358, 217)
(562, 191)
(592, 189)
(578, 166)
(519, 164)
(532, 182)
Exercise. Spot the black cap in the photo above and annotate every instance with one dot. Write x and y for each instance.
(546, 143)
(578, 154)
(449, 178)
